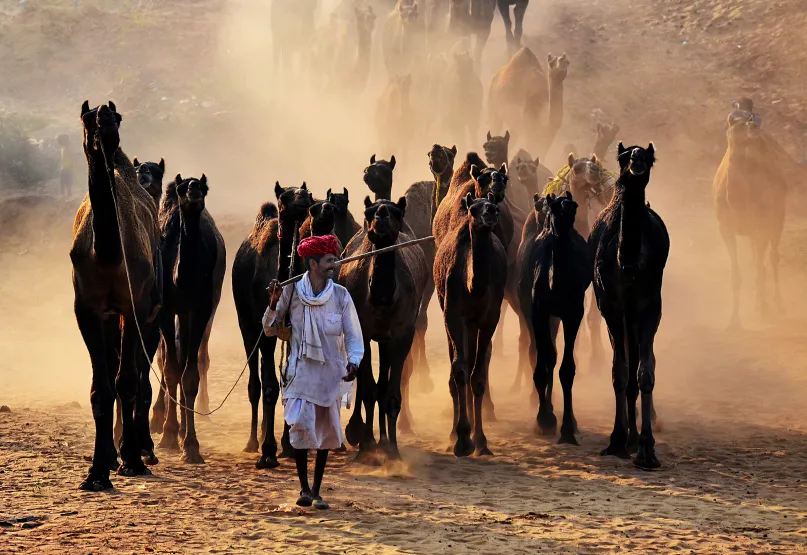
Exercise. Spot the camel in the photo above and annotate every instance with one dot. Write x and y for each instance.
(378, 177)
(263, 256)
(404, 38)
(470, 272)
(531, 174)
(629, 245)
(519, 9)
(341, 52)
(519, 93)
(462, 94)
(150, 176)
(321, 220)
(115, 253)
(292, 29)
(422, 199)
(554, 274)
(194, 256)
(345, 226)
(742, 212)
(382, 288)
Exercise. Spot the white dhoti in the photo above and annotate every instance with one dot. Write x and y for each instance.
(312, 426)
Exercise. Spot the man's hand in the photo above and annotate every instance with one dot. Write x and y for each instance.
(275, 291)
(352, 372)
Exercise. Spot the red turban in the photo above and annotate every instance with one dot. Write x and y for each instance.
(323, 244)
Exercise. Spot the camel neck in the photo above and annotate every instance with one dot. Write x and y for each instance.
(382, 278)
(384, 193)
(631, 201)
(287, 228)
(601, 148)
(480, 254)
(188, 253)
(106, 235)
(555, 113)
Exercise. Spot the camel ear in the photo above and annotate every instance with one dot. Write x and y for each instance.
(507, 136)
(549, 58)
(454, 150)
(468, 201)
(112, 106)
(178, 179)
(135, 163)
(367, 202)
(503, 169)
(571, 159)
(620, 148)
(488, 134)
(537, 197)
(278, 189)
(203, 179)
(328, 194)
(593, 158)
(345, 193)
(372, 159)
(304, 187)
(85, 107)
(491, 198)
(652, 150)
(402, 204)
(392, 162)
(549, 198)
(415, 7)
(475, 172)
(568, 195)
(162, 165)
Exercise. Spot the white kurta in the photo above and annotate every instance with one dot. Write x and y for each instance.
(311, 395)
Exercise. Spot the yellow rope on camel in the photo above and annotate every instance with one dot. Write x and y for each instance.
(560, 183)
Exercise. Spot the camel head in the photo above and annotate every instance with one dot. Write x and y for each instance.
(384, 220)
(101, 127)
(496, 148)
(584, 173)
(562, 212)
(293, 202)
(635, 164)
(441, 159)
(558, 67)
(150, 176)
(490, 180)
(744, 129)
(191, 193)
(527, 170)
(483, 213)
(541, 208)
(378, 175)
(323, 216)
(339, 201)
(408, 12)
(365, 20)
(606, 134)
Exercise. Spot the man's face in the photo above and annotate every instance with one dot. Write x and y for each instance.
(326, 266)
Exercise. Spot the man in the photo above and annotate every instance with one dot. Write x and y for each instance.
(326, 349)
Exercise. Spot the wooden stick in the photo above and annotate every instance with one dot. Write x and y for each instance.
(368, 255)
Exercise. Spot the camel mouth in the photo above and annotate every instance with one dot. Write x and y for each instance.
(637, 168)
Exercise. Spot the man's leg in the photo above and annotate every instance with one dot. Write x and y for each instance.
(301, 458)
(319, 471)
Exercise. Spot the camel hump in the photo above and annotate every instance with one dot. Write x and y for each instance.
(267, 212)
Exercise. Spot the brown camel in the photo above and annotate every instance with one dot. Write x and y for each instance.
(382, 288)
(470, 272)
(263, 256)
(194, 257)
(519, 93)
(422, 199)
(115, 253)
(404, 38)
(629, 245)
(345, 226)
(321, 220)
(150, 176)
(378, 177)
(742, 211)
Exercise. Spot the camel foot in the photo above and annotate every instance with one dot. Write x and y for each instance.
(633, 442)
(368, 457)
(95, 482)
(252, 445)
(568, 439)
(267, 462)
(547, 423)
(341, 449)
(191, 455)
(488, 415)
(483, 451)
(354, 430)
(203, 417)
(646, 459)
(405, 427)
(615, 451)
(422, 382)
(156, 424)
(287, 452)
(149, 458)
(464, 447)
(134, 469)
(114, 464)
(169, 442)
(391, 451)
(534, 402)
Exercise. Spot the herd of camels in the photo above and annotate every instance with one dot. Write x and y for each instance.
(149, 269)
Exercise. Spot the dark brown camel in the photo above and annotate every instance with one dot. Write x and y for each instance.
(555, 271)
(150, 176)
(422, 199)
(383, 288)
(470, 272)
(321, 220)
(263, 256)
(115, 235)
(345, 226)
(378, 177)
(629, 245)
(513, 35)
(194, 258)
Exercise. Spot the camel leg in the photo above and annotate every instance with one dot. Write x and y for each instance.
(482, 35)
(774, 259)
(554, 326)
(102, 397)
(759, 245)
(112, 336)
(498, 341)
(203, 402)
(126, 385)
(169, 439)
(519, 11)
(197, 322)
(462, 338)
(405, 418)
(354, 431)
(270, 391)
(424, 383)
(455, 400)
(571, 325)
(547, 358)
(632, 392)
(398, 351)
(144, 395)
(736, 280)
(487, 400)
(594, 321)
(526, 356)
(648, 325)
(117, 432)
(158, 411)
(384, 361)
(251, 336)
(504, 9)
(479, 378)
(619, 377)
(367, 444)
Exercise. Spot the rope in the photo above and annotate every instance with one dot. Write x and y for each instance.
(164, 388)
